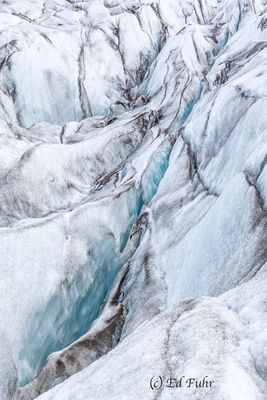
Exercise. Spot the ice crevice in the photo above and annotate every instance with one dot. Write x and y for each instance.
(132, 195)
(82, 298)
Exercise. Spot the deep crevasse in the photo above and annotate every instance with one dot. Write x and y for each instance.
(83, 200)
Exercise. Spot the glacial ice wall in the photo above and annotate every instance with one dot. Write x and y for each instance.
(132, 183)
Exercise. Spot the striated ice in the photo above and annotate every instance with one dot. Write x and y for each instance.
(133, 196)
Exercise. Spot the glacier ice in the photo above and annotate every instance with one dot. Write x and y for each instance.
(132, 198)
(168, 344)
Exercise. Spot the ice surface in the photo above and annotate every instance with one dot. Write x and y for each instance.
(132, 198)
(195, 338)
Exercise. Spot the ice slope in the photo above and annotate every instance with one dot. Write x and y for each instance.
(133, 178)
(193, 339)
(83, 57)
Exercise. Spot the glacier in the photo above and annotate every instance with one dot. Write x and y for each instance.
(133, 195)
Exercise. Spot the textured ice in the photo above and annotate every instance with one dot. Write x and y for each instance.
(133, 195)
(195, 338)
